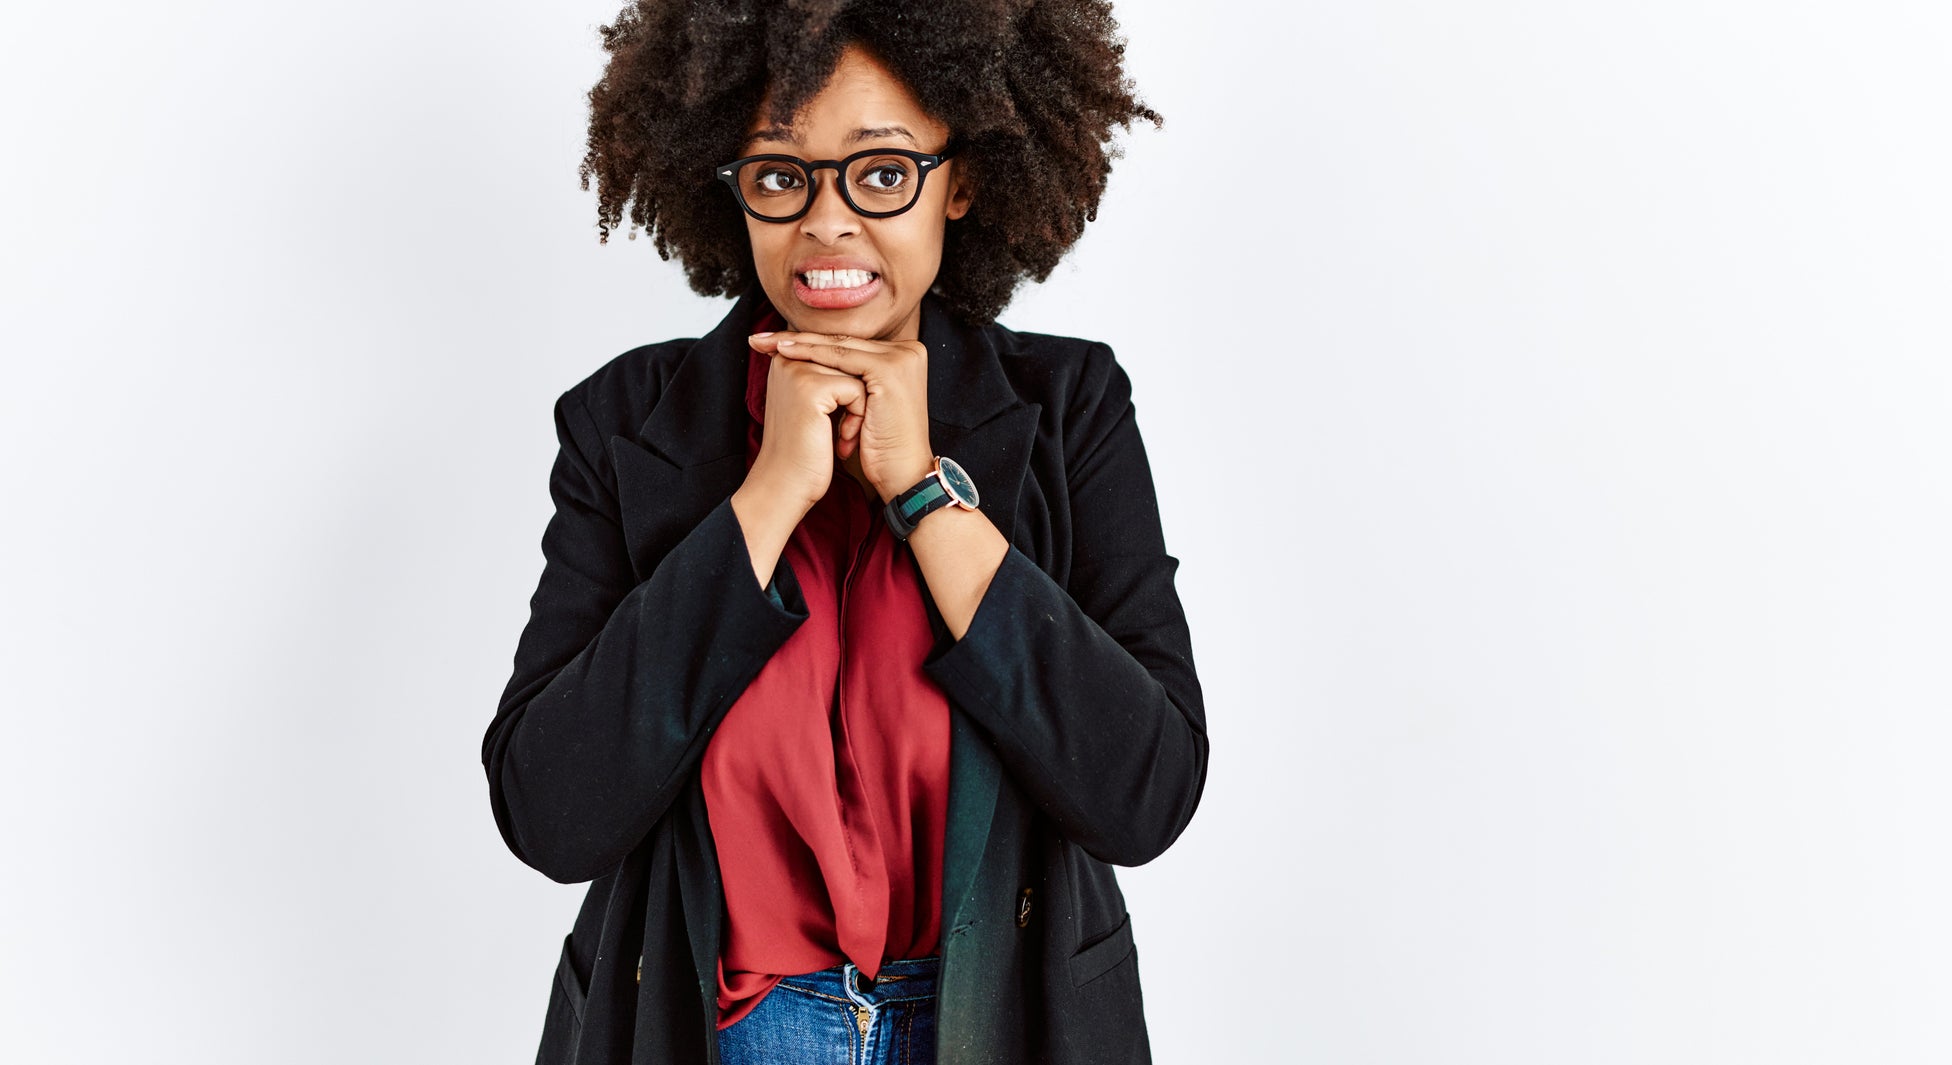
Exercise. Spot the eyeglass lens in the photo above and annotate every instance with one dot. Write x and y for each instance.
(779, 189)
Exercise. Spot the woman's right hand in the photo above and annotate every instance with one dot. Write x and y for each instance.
(798, 444)
(798, 449)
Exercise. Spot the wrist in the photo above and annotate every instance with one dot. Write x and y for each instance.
(912, 476)
(946, 486)
(776, 486)
(767, 509)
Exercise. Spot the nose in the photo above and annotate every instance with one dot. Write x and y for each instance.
(828, 218)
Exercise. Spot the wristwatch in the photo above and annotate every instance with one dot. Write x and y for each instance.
(947, 483)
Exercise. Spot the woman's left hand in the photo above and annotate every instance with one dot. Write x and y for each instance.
(893, 437)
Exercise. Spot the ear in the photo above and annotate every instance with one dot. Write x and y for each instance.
(962, 191)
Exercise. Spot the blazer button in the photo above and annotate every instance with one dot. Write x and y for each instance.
(1023, 908)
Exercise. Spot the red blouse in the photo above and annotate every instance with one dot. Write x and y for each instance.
(827, 783)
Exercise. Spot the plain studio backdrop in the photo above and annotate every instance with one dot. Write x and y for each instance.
(1549, 405)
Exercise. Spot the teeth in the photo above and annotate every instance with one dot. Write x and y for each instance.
(837, 278)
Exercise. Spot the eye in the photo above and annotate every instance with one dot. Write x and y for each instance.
(887, 177)
(775, 179)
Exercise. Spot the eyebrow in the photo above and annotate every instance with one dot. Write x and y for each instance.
(784, 134)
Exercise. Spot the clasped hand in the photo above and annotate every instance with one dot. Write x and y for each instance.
(828, 397)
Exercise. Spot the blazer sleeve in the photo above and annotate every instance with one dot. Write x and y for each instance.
(617, 684)
(1089, 691)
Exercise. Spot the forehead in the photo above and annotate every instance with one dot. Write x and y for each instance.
(862, 103)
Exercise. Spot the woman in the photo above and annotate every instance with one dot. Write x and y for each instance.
(856, 661)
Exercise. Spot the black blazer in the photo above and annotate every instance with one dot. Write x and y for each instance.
(1078, 734)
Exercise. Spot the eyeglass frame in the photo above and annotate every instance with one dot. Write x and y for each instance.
(729, 173)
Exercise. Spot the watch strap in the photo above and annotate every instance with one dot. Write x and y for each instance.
(907, 510)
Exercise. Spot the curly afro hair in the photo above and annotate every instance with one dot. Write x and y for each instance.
(1030, 89)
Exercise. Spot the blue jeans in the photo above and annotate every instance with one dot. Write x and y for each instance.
(830, 1018)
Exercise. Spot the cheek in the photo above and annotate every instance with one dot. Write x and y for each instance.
(767, 248)
(919, 247)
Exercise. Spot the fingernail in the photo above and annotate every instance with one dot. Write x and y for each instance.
(756, 336)
(786, 343)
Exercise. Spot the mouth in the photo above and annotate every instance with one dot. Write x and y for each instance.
(836, 289)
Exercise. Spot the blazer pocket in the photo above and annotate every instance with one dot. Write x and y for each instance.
(1096, 959)
(562, 1028)
(570, 984)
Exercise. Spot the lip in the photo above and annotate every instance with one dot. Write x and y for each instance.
(835, 298)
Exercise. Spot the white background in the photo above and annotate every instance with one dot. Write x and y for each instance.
(1548, 403)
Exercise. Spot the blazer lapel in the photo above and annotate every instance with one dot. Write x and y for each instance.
(689, 455)
(976, 418)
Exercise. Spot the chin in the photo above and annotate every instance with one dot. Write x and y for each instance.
(868, 322)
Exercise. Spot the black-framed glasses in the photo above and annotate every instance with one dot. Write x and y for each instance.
(876, 183)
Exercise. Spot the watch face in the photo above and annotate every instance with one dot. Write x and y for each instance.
(961, 488)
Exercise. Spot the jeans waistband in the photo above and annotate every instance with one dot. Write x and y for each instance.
(896, 981)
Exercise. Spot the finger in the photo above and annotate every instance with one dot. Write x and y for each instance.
(769, 342)
(839, 356)
(849, 437)
(848, 355)
(791, 364)
(772, 341)
(791, 359)
(849, 393)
